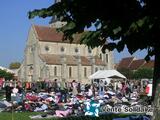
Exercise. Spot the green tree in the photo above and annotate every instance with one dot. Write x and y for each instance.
(143, 73)
(126, 72)
(14, 65)
(6, 75)
(131, 23)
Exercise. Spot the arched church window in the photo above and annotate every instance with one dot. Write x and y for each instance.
(96, 69)
(100, 56)
(31, 49)
(76, 50)
(89, 50)
(55, 71)
(106, 58)
(46, 48)
(70, 71)
(62, 49)
(85, 72)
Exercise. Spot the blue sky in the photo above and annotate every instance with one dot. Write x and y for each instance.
(14, 27)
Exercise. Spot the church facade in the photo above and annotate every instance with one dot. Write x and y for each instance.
(47, 56)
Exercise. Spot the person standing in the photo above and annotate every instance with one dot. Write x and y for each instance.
(8, 89)
(101, 87)
(74, 85)
(55, 86)
(79, 87)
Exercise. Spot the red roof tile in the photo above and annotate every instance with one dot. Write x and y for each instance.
(57, 59)
(51, 59)
(49, 34)
(149, 64)
(125, 62)
(137, 64)
(85, 61)
(70, 60)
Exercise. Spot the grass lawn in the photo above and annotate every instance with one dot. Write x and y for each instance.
(1, 97)
(25, 116)
(17, 116)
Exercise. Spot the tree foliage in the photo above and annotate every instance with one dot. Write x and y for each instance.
(138, 74)
(14, 65)
(125, 22)
(6, 75)
(127, 73)
(143, 73)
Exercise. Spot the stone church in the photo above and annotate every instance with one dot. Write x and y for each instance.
(47, 56)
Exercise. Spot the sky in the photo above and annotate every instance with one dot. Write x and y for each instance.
(15, 25)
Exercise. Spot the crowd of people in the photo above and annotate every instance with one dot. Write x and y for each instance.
(63, 99)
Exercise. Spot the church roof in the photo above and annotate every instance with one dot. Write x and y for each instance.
(125, 62)
(134, 64)
(49, 34)
(50, 59)
(85, 60)
(53, 59)
(137, 64)
(149, 64)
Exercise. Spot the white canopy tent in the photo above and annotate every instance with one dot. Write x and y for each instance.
(6, 69)
(106, 76)
(102, 74)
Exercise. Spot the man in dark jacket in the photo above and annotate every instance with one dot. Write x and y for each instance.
(8, 92)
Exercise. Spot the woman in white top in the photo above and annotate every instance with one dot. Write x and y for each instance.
(90, 92)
